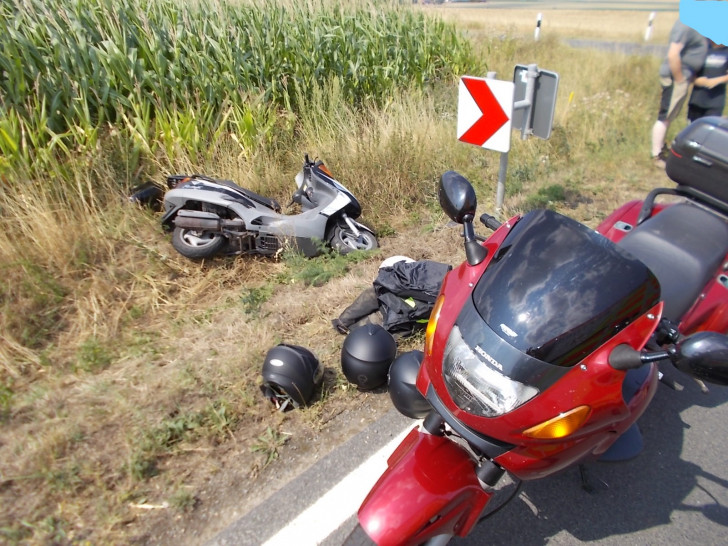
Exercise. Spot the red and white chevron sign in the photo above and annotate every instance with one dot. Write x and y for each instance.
(485, 108)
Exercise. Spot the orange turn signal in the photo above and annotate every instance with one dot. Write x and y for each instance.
(560, 426)
(432, 324)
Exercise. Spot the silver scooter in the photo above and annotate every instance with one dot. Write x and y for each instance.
(209, 216)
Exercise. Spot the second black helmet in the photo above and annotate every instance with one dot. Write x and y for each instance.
(366, 355)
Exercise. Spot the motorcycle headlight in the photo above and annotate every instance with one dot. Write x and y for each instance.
(477, 387)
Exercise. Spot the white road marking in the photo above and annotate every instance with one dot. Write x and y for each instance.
(327, 514)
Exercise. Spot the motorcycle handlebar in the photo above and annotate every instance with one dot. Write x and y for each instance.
(624, 357)
(489, 221)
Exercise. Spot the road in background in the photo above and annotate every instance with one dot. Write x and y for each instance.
(659, 50)
(618, 5)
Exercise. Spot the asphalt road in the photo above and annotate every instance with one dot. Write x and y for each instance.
(611, 5)
(658, 50)
(674, 492)
(270, 518)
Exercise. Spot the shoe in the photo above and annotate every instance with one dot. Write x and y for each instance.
(658, 162)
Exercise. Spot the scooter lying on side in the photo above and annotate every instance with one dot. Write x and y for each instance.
(542, 351)
(210, 216)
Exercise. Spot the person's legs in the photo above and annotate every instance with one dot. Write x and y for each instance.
(693, 112)
(671, 102)
(713, 112)
(659, 130)
(677, 98)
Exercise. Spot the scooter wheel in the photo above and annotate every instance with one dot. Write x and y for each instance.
(344, 240)
(197, 244)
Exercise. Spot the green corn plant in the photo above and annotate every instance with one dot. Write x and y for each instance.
(73, 66)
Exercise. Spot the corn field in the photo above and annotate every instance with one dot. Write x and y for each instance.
(176, 76)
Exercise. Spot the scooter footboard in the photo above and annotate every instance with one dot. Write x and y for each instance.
(429, 489)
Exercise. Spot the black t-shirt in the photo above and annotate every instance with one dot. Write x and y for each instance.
(716, 64)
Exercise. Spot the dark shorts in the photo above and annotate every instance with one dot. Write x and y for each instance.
(672, 100)
(696, 112)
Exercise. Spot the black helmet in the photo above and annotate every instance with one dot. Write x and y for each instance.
(366, 355)
(290, 376)
(402, 390)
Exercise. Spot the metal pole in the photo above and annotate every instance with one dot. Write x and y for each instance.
(527, 103)
(532, 73)
(500, 191)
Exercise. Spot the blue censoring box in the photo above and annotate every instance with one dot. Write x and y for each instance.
(708, 17)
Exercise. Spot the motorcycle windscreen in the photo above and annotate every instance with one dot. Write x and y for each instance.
(556, 290)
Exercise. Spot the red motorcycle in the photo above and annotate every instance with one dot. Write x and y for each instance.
(542, 352)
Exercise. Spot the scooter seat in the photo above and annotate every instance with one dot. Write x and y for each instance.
(260, 199)
(684, 245)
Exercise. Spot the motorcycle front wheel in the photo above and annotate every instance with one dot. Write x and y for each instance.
(197, 244)
(344, 240)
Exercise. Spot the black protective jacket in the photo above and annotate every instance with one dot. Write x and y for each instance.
(401, 298)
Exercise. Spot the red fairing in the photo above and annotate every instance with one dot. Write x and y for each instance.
(710, 312)
(599, 386)
(430, 488)
(628, 214)
(457, 287)
(608, 420)
(596, 384)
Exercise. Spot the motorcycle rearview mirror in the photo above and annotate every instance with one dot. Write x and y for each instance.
(457, 198)
(703, 355)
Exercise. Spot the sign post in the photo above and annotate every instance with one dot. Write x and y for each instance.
(488, 108)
